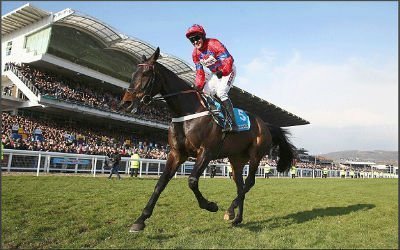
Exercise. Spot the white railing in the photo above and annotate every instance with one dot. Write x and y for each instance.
(55, 162)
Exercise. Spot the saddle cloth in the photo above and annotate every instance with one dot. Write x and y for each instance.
(241, 117)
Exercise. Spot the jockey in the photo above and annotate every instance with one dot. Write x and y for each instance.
(211, 53)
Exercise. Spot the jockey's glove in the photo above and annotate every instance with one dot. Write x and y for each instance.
(219, 74)
(194, 86)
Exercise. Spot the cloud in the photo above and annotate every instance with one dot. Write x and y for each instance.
(324, 139)
(343, 95)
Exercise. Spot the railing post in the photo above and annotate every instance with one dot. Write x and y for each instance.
(158, 170)
(94, 166)
(140, 168)
(38, 165)
(47, 164)
(76, 165)
(9, 162)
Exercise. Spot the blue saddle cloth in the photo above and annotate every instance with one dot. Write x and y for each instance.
(241, 117)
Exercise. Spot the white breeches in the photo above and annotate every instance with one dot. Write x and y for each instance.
(220, 87)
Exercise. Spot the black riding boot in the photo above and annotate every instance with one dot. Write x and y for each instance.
(229, 108)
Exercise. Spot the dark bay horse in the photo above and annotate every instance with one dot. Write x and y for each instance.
(202, 138)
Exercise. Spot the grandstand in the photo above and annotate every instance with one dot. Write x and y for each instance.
(73, 68)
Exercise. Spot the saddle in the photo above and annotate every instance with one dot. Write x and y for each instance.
(219, 114)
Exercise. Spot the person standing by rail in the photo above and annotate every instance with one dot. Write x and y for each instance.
(135, 162)
(114, 161)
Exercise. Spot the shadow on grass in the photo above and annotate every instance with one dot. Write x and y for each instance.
(161, 237)
(304, 216)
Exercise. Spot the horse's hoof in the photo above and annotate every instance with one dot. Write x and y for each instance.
(229, 216)
(137, 227)
(212, 207)
(236, 222)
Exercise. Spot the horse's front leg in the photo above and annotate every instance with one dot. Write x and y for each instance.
(173, 161)
(199, 167)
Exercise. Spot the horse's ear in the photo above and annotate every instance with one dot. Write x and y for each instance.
(156, 54)
(144, 58)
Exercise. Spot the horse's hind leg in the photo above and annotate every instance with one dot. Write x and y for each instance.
(200, 165)
(173, 161)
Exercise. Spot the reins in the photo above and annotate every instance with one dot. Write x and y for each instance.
(150, 84)
(182, 92)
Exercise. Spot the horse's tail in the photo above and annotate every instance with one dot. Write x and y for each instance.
(286, 148)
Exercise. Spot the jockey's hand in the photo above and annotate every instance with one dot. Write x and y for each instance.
(195, 87)
(219, 74)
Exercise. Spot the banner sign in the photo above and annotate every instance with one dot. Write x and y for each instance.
(71, 161)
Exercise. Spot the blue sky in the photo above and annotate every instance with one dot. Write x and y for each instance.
(332, 63)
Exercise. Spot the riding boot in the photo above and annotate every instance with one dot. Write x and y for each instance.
(229, 108)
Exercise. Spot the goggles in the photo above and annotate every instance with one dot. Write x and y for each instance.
(195, 38)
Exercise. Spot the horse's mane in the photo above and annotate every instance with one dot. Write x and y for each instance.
(171, 74)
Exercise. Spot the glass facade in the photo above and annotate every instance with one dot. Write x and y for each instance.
(38, 41)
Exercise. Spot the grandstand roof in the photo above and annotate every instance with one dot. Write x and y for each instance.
(21, 17)
(111, 38)
(266, 110)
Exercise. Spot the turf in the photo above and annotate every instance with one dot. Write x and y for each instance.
(93, 212)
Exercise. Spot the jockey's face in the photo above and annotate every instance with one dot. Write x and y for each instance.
(197, 41)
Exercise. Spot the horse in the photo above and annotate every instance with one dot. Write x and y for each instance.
(202, 138)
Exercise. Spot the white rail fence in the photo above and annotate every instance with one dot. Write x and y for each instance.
(54, 162)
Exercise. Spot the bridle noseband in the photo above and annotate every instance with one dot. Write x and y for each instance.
(146, 99)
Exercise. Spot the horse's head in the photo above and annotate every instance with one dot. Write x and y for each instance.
(143, 84)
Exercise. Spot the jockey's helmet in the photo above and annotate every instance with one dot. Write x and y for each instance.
(195, 29)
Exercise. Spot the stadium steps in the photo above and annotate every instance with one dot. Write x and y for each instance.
(27, 88)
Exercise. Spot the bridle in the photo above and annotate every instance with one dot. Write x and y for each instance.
(147, 98)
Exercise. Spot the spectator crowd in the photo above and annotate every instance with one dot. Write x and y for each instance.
(25, 133)
(65, 89)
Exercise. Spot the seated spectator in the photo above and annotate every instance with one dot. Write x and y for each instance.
(57, 137)
(67, 90)
(37, 134)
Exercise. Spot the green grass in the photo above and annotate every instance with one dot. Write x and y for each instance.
(87, 212)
